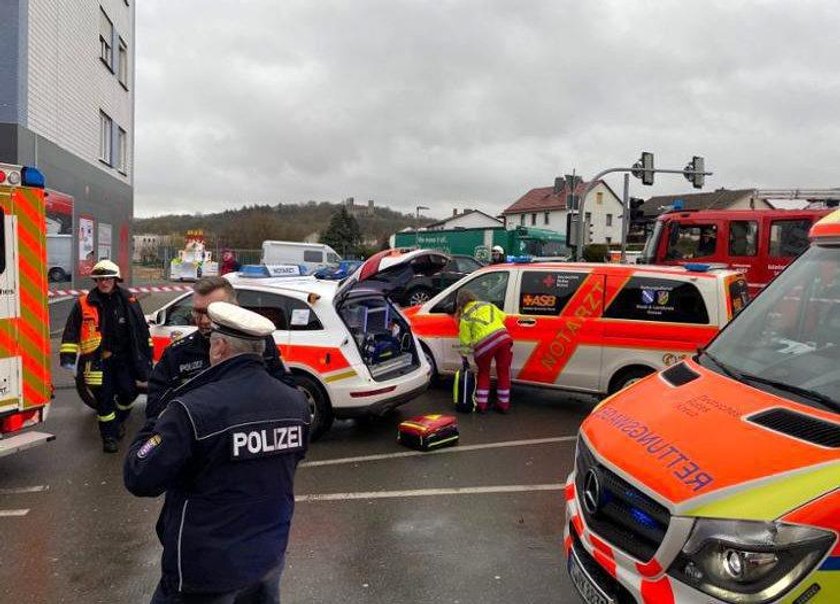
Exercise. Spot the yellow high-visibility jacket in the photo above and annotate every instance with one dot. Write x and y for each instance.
(481, 328)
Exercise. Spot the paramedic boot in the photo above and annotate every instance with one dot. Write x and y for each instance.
(109, 445)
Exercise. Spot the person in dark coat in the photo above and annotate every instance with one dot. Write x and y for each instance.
(106, 342)
(225, 452)
(186, 358)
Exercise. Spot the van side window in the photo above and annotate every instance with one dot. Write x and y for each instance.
(313, 256)
(788, 238)
(743, 238)
(663, 300)
(547, 292)
(691, 241)
(489, 287)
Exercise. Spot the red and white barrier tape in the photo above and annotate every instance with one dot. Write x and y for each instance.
(152, 289)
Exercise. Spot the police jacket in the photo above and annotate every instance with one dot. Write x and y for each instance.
(225, 452)
(481, 328)
(83, 336)
(186, 358)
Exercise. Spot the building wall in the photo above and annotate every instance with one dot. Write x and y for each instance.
(474, 220)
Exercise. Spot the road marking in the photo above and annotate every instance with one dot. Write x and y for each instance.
(521, 488)
(16, 491)
(458, 449)
(4, 513)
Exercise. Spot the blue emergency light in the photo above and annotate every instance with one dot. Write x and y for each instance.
(520, 259)
(32, 177)
(679, 204)
(697, 267)
(254, 271)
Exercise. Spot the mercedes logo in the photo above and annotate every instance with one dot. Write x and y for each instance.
(591, 492)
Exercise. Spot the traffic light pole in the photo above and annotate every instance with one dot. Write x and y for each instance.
(625, 218)
(594, 181)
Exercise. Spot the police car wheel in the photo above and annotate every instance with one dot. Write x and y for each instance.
(319, 406)
(628, 377)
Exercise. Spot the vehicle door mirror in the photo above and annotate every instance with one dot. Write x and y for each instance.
(159, 318)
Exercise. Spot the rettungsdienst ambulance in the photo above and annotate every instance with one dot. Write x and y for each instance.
(591, 328)
(718, 479)
(25, 389)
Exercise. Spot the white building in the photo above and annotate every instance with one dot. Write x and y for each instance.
(468, 219)
(545, 208)
(67, 108)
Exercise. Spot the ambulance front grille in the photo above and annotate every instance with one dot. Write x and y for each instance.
(623, 516)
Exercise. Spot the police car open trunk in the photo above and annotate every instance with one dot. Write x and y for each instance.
(381, 333)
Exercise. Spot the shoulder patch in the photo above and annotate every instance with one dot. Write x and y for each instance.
(147, 447)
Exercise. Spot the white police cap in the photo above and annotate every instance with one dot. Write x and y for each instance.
(235, 321)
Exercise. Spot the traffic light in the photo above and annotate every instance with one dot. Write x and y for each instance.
(644, 168)
(697, 166)
(636, 209)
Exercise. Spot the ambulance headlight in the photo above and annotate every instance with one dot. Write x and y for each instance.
(746, 561)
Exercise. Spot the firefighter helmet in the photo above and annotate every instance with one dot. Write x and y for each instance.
(105, 269)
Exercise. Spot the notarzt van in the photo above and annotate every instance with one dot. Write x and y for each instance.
(591, 328)
(718, 480)
(350, 349)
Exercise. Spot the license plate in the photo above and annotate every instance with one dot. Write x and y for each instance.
(585, 585)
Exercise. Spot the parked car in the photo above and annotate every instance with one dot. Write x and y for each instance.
(592, 328)
(426, 284)
(338, 272)
(351, 350)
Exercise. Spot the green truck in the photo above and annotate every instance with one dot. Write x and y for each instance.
(477, 242)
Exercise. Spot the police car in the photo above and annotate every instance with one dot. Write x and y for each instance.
(591, 328)
(351, 350)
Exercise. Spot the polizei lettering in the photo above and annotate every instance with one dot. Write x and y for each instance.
(661, 450)
(265, 442)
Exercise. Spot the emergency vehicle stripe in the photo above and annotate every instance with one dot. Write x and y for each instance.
(319, 358)
(340, 376)
(821, 512)
(657, 592)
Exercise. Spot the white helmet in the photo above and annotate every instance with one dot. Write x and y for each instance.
(498, 249)
(105, 269)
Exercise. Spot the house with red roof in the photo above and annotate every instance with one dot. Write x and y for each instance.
(547, 208)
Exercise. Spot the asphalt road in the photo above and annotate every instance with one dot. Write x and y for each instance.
(480, 522)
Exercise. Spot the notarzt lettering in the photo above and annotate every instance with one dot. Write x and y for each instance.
(265, 442)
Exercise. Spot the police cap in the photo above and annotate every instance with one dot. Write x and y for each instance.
(235, 321)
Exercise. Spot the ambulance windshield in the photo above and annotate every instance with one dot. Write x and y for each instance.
(787, 340)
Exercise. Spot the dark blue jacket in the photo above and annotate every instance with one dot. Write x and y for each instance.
(225, 452)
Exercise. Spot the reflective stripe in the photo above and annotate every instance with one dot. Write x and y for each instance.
(107, 418)
(69, 347)
(125, 407)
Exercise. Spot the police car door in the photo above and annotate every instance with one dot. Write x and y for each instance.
(556, 328)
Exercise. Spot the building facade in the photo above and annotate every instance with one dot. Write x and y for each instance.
(468, 219)
(67, 108)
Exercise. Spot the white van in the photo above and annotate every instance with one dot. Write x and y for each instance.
(311, 255)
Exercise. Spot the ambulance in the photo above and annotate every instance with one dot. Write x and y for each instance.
(25, 389)
(351, 350)
(718, 479)
(590, 328)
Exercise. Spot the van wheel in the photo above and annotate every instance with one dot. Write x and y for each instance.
(419, 295)
(319, 405)
(628, 376)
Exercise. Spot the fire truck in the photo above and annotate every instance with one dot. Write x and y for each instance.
(25, 387)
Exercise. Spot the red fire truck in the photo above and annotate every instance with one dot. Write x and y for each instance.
(761, 243)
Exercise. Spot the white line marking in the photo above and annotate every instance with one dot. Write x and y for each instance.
(13, 513)
(521, 488)
(458, 449)
(19, 490)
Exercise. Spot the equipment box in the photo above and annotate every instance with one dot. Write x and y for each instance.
(426, 432)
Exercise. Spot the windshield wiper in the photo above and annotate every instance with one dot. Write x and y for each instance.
(735, 375)
(827, 401)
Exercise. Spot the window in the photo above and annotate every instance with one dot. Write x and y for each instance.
(106, 37)
(691, 241)
(180, 313)
(743, 238)
(599, 197)
(122, 63)
(313, 256)
(654, 299)
(788, 238)
(333, 258)
(122, 151)
(609, 240)
(547, 293)
(609, 220)
(490, 287)
(522, 219)
(466, 265)
(106, 130)
(587, 218)
(534, 219)
(545, 217)
(286, 313)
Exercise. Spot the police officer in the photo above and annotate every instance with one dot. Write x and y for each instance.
(497, 255)
(224, 451)
(189, 356)
(106, 341)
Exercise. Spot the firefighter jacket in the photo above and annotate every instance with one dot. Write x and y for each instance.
(186, 358)
(83, 337)
(224, 451)
(481, 328)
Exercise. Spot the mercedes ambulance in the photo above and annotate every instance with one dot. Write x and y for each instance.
(591, 328)
(718, 479)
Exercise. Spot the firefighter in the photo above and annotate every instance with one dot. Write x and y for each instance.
(106, 341)
(482, 332)
(189, 356)
(497, 255)
(224, 451)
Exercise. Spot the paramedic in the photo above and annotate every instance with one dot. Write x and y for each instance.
(497, 255)
(106, 341)
(482, 332)
(224, 451)
(189, 356)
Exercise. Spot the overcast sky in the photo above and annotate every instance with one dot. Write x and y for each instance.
(471, 103)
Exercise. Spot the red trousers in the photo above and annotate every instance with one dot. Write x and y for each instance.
(503, 354)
